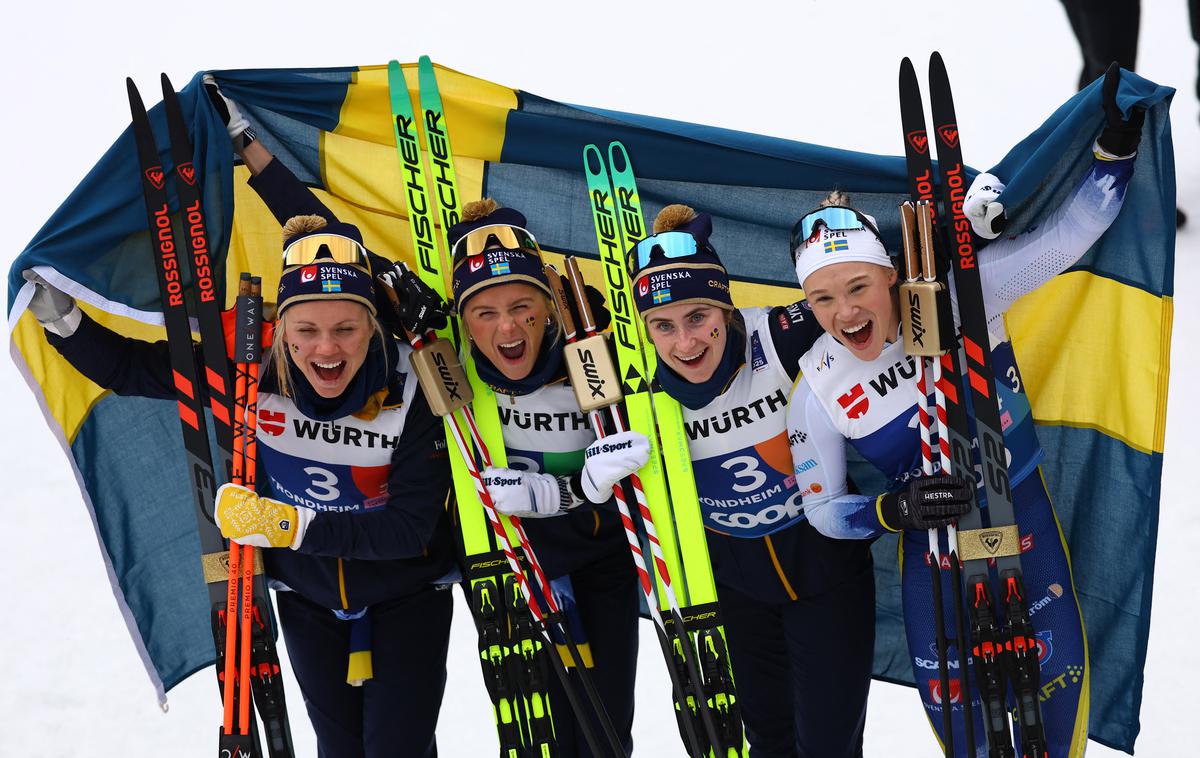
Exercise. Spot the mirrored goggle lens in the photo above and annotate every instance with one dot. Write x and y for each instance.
(672, 245)
(325, 246)
(839, 219)
(507, 237)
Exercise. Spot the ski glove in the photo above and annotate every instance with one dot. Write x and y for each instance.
(927, 503)
(417, 308)
(526, 494)
(609, 460)
(236, 124)
(54, 309)
(1120, 136)
(248, 519)
(981, 209)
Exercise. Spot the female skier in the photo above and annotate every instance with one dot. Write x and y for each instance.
(799, 607)
(849, 394)
(558, 473)
(353, 477)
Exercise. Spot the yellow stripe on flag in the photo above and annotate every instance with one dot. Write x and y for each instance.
(1100, 358)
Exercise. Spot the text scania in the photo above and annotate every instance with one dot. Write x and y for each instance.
(168, 263)
(336, 434)
(737, 417)
(543, 422)
(201, 267)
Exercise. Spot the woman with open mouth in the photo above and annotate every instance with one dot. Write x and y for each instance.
(857, 389)
(353, 475)
(503, 296)
(798, 607)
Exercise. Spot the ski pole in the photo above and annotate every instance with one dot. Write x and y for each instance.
(591, 371)
(438, 367)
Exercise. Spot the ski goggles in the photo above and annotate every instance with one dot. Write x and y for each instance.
(334, 247)
(834, 218)
(670, 245)
(508, 237)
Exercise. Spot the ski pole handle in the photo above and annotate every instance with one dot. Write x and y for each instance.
(559, 295)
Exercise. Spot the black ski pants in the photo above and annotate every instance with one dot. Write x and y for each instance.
(395, 713)
(803, 668)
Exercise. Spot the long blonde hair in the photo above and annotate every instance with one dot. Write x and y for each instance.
(278, 354)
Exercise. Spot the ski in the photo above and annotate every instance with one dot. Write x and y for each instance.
(188, 393)
(199, 264)
(483, 422)
(508, 646)
(669, 485)
(1004, 647)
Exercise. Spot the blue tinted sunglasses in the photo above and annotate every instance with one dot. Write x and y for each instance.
(832, 217)
(671, 245)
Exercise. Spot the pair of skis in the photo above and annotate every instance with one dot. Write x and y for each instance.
(247, 662)
(1002, 640)
(513, 653)
(686, 613)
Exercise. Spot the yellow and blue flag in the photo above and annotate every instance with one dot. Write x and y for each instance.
(1093, 344)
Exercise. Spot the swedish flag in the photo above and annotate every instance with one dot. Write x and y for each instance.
(836, 245)
(661, 296)
(1093, 344)
(500, 268)
(331, 285)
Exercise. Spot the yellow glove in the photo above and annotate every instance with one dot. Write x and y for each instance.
(248, 519)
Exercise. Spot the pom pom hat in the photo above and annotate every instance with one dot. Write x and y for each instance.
(678, 264)
(491, 246)
(323, 261)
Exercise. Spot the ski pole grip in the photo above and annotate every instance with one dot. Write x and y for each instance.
(579, 290)
(589, 361)
(908, 236)
(441, 376)
(559, 296)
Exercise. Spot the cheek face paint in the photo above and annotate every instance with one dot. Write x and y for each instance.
(295, 348)
(530, 321)
(715, 333)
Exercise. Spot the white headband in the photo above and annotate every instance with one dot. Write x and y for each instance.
(830, 246)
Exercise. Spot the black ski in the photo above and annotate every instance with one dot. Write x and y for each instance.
(201, 265)
(199, 269)
(1003, 643)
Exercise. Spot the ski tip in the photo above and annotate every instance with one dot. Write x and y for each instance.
(617, 150)
(425, 60)
(393, 65)
(593, 161)
(935, 59)
(166, 83)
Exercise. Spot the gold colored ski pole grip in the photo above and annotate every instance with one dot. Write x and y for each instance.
(589, 362)
(439, 371)
(921, 299)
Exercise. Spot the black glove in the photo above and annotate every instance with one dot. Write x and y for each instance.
(1120, 137)
(416, 307)
(928, 503)
(595, 300)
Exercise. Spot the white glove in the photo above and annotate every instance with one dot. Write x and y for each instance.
(54, 309)
(523, 493)
(609, 460)
(235, 123)
(986, 215)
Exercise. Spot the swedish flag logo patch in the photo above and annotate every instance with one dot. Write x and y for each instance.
(331, 285)
(836, 246)
(500, 268)
(661, 296)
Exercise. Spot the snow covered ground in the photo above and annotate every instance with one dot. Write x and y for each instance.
(824, 73)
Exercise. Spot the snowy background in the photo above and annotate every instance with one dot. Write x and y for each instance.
(72, 681)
